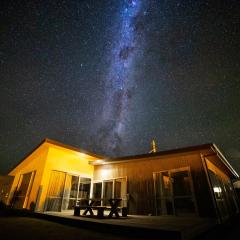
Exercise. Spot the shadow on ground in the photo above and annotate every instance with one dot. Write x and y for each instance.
(229, 230)
(26, 225)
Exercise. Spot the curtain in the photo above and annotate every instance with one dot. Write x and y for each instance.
(55, 191)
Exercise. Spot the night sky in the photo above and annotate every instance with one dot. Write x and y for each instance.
(110, 76)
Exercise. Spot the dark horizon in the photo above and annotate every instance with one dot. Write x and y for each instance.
(109, 77)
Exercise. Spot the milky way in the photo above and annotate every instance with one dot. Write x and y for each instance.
(128, 47)
(109, 76)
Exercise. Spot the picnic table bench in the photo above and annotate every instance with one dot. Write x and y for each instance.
(87, 206)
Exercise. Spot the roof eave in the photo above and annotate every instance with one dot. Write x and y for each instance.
(225, 162)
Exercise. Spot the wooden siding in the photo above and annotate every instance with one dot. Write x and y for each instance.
(140, 180)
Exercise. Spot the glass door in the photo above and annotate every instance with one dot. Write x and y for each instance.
(174, 192)
(115, 188)
(55, 191)
(163, 193)
(107, 192)
(65, 190)
(120, 190)
(70, 192)
(182, 193)
(84, 187)
(21, 195)
(97, 192)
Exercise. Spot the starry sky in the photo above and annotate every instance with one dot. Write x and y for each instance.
(110, 76)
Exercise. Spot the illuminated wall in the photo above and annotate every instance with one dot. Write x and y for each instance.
(47, 157)
(134, 176)
(65, 160)
(34, 162)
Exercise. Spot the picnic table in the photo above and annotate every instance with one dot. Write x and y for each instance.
(88, 206)
(114, 203)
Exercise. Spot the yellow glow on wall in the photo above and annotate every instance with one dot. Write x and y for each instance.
(64, 160)
(43, 160)
(105, 173)
(34, 162)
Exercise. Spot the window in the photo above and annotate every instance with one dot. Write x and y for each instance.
(55, 191)
(23, 190)
(97, 192)
(84, 187)
(111, 188)
(65, 189)
(222, 190)
(174, 192)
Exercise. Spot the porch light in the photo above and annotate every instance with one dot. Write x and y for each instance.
(217, 189)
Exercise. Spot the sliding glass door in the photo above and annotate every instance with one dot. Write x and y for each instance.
(174, 192)
(163, 193)
(97, 192)
(65, 190)
(23, 190)
(70, 192)
(111, 188)
(107, 191)
(84, 187)
(224, 194)
(183, 193)
(55, 191)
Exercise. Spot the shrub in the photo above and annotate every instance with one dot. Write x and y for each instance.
(2, 205)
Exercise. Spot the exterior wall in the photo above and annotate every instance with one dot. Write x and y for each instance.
(139, 173)
(65, 160)
(35, 162)
(236, 185)
(5, 187)
(141, 185)
(42, 161)
(222, 188)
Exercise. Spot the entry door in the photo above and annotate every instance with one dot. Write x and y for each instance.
(21, 195)
(107, 191)
(163, 193)
(70, 192)
(115, 188)
(174, 192)
(183, 195)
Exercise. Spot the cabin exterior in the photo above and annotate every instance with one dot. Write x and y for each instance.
(42, 180)
(192, 181)
(189, 181)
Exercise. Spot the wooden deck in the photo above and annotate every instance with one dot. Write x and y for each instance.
(166, 226)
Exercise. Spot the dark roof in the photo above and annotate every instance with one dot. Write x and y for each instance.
(165, 152)
(210, 146)
(106, 160)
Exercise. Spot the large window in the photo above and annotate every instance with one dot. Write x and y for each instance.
(107, 191)
(174, 192)
(97, 192)
(223, 191)
(163, 188)
(23, 190)
(111, 188)
(65, 190)
(70, 192)
(55, 191)
(84, 188)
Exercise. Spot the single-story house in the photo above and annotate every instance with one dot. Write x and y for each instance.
(191, 181)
